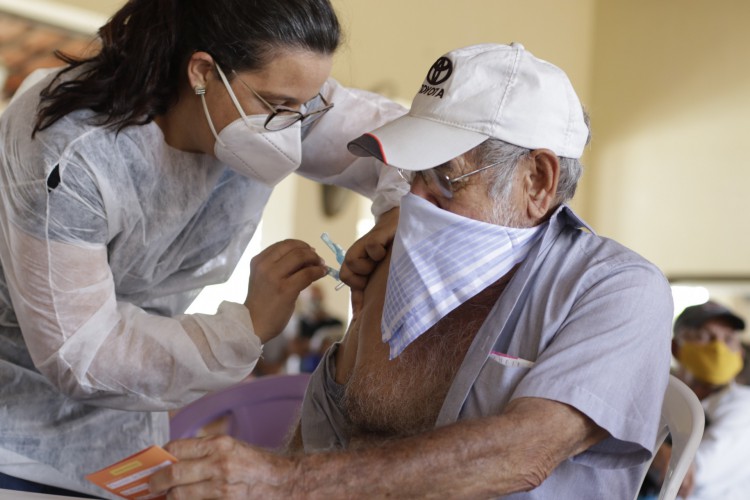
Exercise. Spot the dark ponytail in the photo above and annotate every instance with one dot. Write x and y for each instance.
(146, 45)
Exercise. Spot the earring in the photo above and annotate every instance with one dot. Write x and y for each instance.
(199, 90)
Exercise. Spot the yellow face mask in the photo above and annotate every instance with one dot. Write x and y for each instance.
(714, 363)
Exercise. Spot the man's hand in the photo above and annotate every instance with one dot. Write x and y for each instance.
(277, 276)
(365, 253)
(480, 458)
(222, 467)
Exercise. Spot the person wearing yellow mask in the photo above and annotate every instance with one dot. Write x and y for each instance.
(708, 349)
(707, 345)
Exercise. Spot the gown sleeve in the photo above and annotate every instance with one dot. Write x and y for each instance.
(326, 158)
(54, 236)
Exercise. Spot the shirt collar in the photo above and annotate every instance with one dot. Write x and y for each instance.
(565, 216)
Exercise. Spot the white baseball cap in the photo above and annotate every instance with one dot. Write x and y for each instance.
(476, 93)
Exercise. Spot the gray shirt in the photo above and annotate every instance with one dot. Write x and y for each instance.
(584, 321)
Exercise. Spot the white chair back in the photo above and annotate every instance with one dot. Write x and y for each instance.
(681, 416)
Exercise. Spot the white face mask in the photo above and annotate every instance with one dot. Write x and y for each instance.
(439, 260)
(251, 150)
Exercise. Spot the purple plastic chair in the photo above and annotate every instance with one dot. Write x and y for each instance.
(260, 411)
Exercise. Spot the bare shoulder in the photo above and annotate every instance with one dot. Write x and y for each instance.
(362, 339)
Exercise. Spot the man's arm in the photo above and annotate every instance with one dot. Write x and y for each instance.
(498, 455)
(486, 457)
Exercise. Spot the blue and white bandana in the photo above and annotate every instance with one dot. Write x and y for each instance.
(439, 261)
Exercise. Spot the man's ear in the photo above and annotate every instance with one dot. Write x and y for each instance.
(540, 178)
(199, 69)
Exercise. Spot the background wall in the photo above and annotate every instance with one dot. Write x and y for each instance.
(667, 84)
(671, 113)
(671, 107)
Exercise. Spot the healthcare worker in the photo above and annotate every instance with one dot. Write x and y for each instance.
(132, 179)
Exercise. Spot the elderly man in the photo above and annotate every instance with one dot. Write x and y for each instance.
(707, 346)
(499, 348)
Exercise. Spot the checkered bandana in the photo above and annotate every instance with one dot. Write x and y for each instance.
(439, 261)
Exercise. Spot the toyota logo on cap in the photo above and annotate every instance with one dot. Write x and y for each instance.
(440, 71)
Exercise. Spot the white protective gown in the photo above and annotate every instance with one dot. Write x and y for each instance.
(105, 240)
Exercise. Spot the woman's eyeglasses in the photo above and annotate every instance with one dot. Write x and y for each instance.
(282, 117)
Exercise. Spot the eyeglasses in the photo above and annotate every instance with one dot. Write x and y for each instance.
(435, 180)
(282, 117)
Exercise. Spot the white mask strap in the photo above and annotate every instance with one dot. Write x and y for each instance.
(202, 93)
(231, 93)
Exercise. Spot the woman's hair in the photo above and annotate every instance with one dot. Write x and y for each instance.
(147, 44)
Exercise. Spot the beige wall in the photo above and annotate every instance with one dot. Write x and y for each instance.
(103, 7)
(672, 106)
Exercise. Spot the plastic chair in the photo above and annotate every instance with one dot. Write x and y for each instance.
(260, 411)
(681, 416)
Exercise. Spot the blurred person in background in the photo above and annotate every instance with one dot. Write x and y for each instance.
(316, 324)
(304, 339)
(708, 349)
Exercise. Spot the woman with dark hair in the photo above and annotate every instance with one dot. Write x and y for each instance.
(135, 177)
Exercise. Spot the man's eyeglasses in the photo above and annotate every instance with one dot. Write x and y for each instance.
(434, 180)
(282, 117)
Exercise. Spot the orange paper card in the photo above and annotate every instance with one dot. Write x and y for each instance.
(128, 478)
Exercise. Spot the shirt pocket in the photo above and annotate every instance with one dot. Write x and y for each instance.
(495, 384)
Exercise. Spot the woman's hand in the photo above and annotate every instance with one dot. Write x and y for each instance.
(223, 467)
(365, 253)
(277, 276)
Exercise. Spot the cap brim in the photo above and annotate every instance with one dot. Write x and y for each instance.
(736, 322)
(415, 143)
(697, 319)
